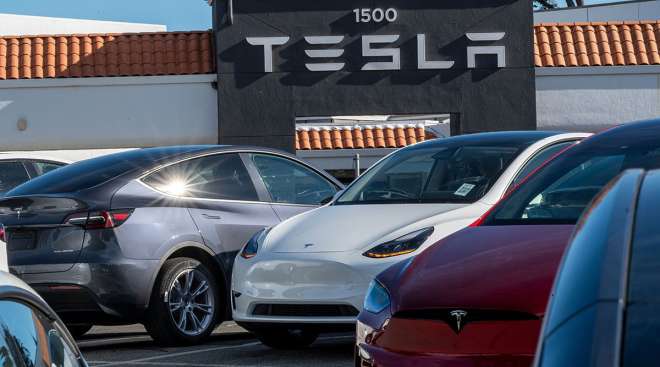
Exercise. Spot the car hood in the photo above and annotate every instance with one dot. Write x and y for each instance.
(483, 268)
(340, 228)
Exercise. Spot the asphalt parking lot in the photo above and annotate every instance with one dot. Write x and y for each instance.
(229, 346)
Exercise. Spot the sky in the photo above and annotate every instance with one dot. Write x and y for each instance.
(176, 14)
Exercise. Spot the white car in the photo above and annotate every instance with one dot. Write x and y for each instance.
(311, 272)
(32, 334)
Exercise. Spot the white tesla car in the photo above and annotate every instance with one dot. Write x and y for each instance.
(31, 334)
(311, 272)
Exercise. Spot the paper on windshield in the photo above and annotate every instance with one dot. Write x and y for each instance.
(464, 190)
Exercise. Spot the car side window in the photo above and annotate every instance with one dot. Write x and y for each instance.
(29, 338)
(42, 167)
(290, 182)
(12, 174)
(220, 176)
(642, 321)
(538, 159)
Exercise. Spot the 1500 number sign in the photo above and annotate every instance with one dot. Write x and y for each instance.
(377, 15)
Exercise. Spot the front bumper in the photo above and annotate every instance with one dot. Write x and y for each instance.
(384, 358)
(302, 288)
(414, 342)
(97, 293)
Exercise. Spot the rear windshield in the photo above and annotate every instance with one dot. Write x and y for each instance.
(90, 173)
(560, 192)
(433, 174)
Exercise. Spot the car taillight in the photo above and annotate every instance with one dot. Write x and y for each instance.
(100, 220)
(2, 233)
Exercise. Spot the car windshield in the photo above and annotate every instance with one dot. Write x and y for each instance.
(559, 193)
(433, 174)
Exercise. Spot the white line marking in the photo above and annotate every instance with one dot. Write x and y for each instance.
(146, 360)
(180, 354)
(173, 364)
(99, 342)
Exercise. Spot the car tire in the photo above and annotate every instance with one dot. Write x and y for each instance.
(175, 315)
(287, 338)
(79, 330)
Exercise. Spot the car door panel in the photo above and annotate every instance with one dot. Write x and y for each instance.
(227, 226)
(224, 203)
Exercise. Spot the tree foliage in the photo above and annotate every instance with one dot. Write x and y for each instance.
(553, 4)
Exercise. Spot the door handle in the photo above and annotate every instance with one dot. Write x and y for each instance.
(211, 216)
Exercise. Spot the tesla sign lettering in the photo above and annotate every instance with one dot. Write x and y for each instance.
(326, 47)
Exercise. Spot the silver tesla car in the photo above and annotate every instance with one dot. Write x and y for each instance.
(150, 235)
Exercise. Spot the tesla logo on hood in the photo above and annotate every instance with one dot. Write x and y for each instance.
(19, 211)
(458, 316)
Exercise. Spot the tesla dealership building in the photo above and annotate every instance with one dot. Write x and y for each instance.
(334, 81)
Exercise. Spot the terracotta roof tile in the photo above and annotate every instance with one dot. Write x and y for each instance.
(596, 44)
(99, 55)
(177, 53)
(360, 136)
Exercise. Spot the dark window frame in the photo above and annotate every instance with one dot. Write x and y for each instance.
(34, 172)
(512, 184)
(259, 194)
(262, 187)
(23, 163)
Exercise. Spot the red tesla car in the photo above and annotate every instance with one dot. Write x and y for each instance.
(477, 298)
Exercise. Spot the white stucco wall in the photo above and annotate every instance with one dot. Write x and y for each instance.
(591, 99)
(23, 25)
(634, 10)
(122, 112)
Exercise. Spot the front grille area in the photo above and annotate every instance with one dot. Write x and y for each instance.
(456, 319)
(284, 310)
(472, 315)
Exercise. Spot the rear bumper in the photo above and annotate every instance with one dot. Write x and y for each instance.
(96, 293)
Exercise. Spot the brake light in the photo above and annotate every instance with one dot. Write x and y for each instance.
(2, 233)
(100, 220)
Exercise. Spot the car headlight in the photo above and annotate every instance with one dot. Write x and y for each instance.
(252, 247)
(377, 298)
(401, 246)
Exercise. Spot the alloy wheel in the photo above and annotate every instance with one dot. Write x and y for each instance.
(191, 303)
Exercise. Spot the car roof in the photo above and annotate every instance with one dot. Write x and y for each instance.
(7, 279)
(489, 138)
(633, 132)
(147, 156)
(61, 156)
(116, 168)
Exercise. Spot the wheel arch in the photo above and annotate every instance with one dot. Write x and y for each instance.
(204, 255)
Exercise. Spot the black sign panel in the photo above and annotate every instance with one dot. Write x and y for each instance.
(278, 60)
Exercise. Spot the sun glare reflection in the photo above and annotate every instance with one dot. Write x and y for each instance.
(177, 187)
